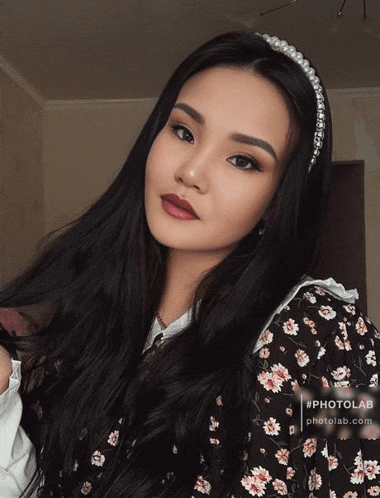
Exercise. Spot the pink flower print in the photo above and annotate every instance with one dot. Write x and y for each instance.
(324, 452)
(357, 476)
(339, 343)
(309, 447)
(370, 358)
(289, 411)
(327, 312)
(214, 441)
(350, 308)
(290, 327)
(113, 438)
(371, 468)
(374, 380)
(219, 401)
(343, 328)
(310, 297)
(97, 459)
(295, 385)
(86, 488)
(280, 487)
(361, 327)
(332, 494)
(272, 427)
(270, 381)
(315, 480)
(253, 485)
(282, 456)
(321, 352)
(262, 474)
(374, 491)
(302, 357)
(341, 372)
(266, 337)
(264, 353)
(203, 486)
(324, 381)
(359, 460)
(281, 372)
(343, 345)
(291, 429)
(213, 424)
(290, 472)
(332, 462)
(350, 494)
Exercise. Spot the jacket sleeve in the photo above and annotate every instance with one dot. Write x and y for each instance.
(17, 455)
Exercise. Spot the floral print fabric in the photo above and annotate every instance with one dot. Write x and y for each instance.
(316, 340)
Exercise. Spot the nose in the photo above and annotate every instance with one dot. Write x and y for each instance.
(194, 172)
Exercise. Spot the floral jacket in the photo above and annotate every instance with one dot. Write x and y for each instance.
(316, 340)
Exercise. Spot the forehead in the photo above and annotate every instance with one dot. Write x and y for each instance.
(231, 83)
(239, 100)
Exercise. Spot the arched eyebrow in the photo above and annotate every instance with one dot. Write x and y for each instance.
(191, 112)
(256, 142)
(237, 137)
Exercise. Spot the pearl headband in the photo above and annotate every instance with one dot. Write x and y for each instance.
(290, 51)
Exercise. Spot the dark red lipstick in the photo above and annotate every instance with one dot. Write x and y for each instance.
(178, 208)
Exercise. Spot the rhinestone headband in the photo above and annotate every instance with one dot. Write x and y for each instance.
(290, 51)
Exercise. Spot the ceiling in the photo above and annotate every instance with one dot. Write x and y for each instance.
(125, 49)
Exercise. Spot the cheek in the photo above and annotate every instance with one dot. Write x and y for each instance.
(159, 162)
(245, 206)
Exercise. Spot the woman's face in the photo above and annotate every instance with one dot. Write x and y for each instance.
(213, 169)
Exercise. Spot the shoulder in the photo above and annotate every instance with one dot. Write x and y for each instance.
(318, 329)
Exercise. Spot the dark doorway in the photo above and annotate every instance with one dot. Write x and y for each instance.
(342, 253)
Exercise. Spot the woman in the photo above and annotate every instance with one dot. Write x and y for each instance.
(171, 324)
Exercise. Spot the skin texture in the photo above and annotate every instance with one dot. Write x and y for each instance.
(200, 157)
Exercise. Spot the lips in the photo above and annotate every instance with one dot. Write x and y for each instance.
(178, 208)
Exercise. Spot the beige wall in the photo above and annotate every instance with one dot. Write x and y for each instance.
(85, 144)
(21, 178)
(356, 121)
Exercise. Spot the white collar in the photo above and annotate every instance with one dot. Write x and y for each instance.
(329, 284)
(171, 330)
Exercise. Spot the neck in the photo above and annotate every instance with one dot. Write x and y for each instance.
(185, 270)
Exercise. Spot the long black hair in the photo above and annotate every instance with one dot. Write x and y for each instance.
(105, 273)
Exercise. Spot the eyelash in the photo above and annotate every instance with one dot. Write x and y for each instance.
(177, 127)
(253, 165)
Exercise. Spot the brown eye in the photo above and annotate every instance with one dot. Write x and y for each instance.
(183, 133)
(244, 162)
